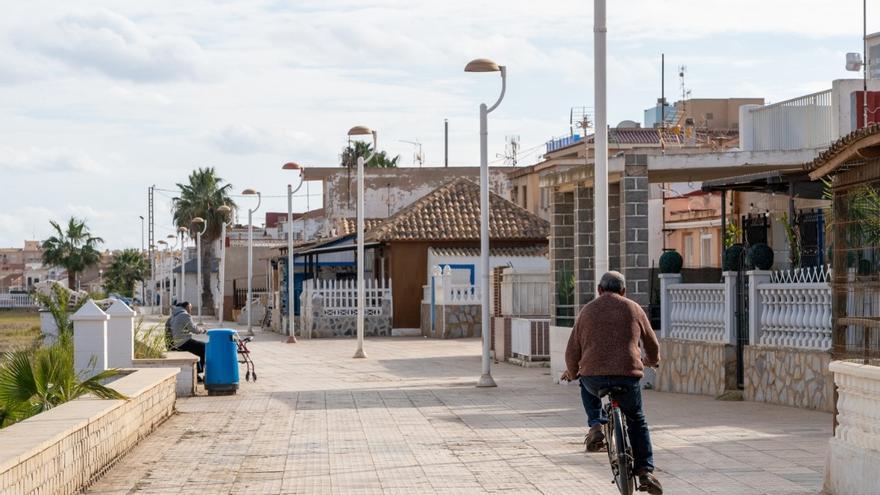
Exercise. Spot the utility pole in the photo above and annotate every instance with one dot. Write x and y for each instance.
(865, 65)
(151, 238)
(600, 176)
(445, 142)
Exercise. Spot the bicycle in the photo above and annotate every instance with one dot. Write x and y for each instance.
(617, 442)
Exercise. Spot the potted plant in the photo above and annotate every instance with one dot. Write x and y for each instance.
(760, 256)
(733, 258)
(671, 262)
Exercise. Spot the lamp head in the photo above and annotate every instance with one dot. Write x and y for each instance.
(292, 166)
(171, 236)
(250, 192)
(182, 230)
(198, 220)
(224, 209)
(482, 65)
(360, 130)
(162, 242)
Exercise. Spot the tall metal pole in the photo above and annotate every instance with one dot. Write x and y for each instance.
(361, 299)
(600, 210)
(291, 297)
(222, 269)
(199, 271)
(250, 271)
(182, 267)
(445, 142)
(865, 62)
(663, 91)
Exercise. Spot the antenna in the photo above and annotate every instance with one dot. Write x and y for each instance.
(510, 150)
(418, 156)
(581, 117)
(685, 92)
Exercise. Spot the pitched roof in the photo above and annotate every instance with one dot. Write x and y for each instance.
(842, 150)
(451, 213)
(346, 226)
(537, 250)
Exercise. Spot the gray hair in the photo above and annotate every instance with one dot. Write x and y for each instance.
(613, 282)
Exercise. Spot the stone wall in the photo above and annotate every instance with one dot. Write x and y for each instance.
(452, 321)
(316, 324)
(787, 376)
(700, 368)
(634, 222)
(65, 449)
(561, 248)
(584, 256)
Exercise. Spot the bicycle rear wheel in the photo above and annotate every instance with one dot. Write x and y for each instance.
(623, 477)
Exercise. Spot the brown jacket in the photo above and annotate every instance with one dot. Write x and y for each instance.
(605, 339)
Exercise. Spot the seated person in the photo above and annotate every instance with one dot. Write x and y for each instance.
(179, 329)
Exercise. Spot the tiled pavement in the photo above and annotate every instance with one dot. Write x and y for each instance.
(408, 420)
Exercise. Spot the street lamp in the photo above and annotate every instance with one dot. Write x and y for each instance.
(152, 268)
(485, 65)
(250, 282)
(160, 242)
(204, 223)
(291, 300)
(167, 273)
(223, 210)
(182, 231)
(361, 130)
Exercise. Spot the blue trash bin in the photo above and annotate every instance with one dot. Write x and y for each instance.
(221, 362)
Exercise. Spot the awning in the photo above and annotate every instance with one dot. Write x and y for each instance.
(776, 181)
(336, 249)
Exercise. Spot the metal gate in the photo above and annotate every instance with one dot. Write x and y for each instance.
(741, 318)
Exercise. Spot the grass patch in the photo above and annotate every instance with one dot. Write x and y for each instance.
(18, 330)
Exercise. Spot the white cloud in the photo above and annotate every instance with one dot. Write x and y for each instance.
(40, 160)
(115, 46)
(242, 139)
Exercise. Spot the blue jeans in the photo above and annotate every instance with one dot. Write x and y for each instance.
(630, 406)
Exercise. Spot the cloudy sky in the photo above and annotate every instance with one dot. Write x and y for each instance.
(101, 99)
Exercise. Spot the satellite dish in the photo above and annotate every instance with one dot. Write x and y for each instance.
(628, 124)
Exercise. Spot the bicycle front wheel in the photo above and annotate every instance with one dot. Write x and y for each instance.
(623, 477)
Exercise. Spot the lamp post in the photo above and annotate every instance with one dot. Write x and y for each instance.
(600, 175)
(291, 299)
(250, 260)
(159, 251)
(485, 65)
(167, 273)
(204, 223)
(223, 210)
(152, 268)
(361, 290)
(183, 231)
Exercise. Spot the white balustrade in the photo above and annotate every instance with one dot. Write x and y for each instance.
(465, 294)
(340, 296)
(17, 301)
(697, 312)
(803, 122)
(525, 294)
(793, 314)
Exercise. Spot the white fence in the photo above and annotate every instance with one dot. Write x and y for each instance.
(530, 339)
(339, 297)
(525, 294)
(806, 122)
(9, 301)
(441, 291)
(791, 308)
(697, 312)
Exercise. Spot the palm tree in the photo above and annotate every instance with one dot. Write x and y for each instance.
(200, 197)
(35, 381)
(364, 149)
(128, 267)
(74, 248)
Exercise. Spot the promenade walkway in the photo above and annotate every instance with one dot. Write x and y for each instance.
(408, 420)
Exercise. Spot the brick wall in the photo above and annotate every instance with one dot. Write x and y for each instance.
(561, 244)
(634, 225)
(64, 449)
(584, 257)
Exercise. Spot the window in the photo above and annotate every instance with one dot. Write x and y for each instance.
(525, 197)
(706, 249)
(689, 250)
(514, 194)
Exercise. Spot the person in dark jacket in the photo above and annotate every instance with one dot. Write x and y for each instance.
(179, 330)
(603, 351)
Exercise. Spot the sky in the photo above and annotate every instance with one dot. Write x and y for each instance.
(101, 99)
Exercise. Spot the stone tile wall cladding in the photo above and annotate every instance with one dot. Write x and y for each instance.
(791, 377)
(700, 368)
(561, 243)
(322, 325)
(452, 321)
(63, 450)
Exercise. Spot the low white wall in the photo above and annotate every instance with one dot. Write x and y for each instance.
(558, 342)
(61, 451)
(854, 453)
(183, 361)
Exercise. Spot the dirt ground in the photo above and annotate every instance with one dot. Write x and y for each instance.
(18, 329)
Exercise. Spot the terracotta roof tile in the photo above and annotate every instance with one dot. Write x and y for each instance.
(451, 213)
(346, 226)
(538, 250)
(837, 147)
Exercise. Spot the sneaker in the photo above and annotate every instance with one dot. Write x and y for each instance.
(595, 439)
(649, 483)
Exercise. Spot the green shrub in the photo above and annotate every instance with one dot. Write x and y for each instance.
(671, 262)
(732, 260)
(760, 256)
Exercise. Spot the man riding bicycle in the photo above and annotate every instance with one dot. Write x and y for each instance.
(603, 352)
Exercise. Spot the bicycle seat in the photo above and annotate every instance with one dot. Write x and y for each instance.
(613, 391)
